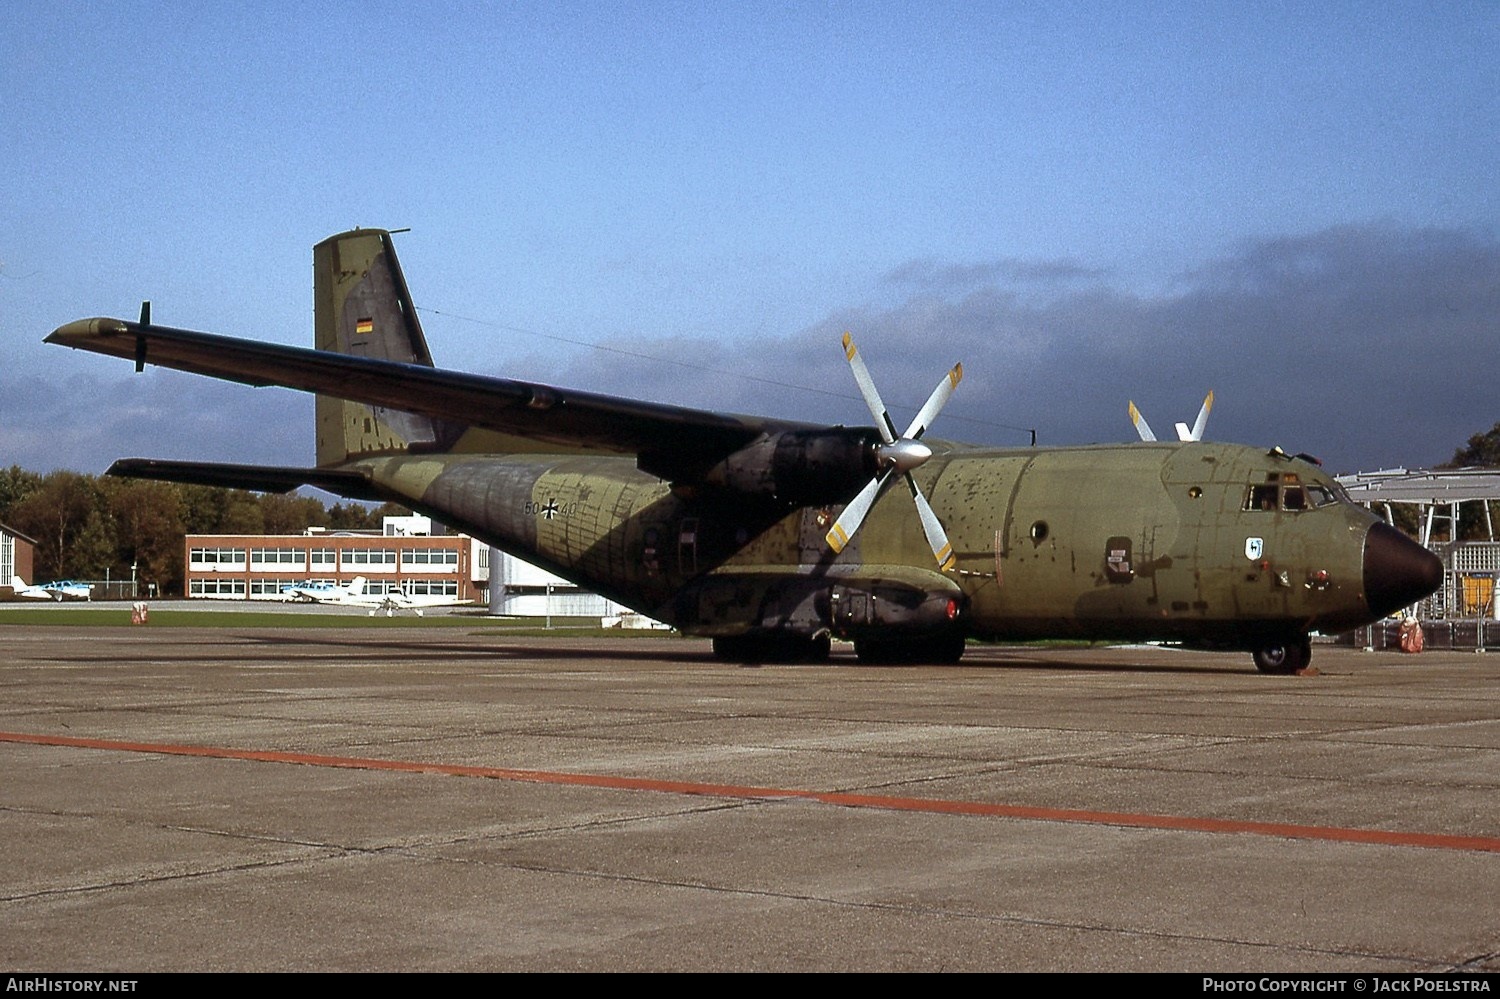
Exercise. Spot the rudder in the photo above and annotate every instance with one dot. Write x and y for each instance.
(362, 307)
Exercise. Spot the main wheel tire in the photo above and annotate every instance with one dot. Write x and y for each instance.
(937, 650)
(1283, 658)
(772, 648)
(948, 650)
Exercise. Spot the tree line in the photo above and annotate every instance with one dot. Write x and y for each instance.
(98, 526)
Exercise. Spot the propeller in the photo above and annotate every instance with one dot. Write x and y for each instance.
(897, 456)
(1184, 433)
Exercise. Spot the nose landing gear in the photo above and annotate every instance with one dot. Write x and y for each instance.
(1283, 657)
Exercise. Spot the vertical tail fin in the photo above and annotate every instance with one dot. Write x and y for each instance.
(361, 306)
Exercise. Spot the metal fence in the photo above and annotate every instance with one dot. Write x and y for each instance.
(115, 589)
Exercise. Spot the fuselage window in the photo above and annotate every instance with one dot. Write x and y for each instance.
(1293, 498)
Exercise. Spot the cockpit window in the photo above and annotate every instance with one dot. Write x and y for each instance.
(1288, 492)
(1262, 497)
(1322, 495)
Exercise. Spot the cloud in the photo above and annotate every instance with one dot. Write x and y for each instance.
(1368, 345)
(930, 276)
(85, 422)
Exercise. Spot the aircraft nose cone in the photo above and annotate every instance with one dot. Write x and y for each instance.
(1398, 571)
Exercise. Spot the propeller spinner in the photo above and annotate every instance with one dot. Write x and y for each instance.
(898, 456)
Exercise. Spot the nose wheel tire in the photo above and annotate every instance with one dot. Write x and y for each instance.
(1283, 658)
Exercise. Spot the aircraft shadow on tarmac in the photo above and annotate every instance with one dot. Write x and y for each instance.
(1009, 657)
(382, 648)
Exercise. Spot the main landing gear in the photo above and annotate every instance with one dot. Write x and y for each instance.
(776, 648)
(1284, 657)
(772, 649)
(935, 650)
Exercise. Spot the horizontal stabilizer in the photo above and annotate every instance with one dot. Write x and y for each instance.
(261, 478)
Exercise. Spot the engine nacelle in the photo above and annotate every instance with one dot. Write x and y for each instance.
(855, 611)
(801, 467)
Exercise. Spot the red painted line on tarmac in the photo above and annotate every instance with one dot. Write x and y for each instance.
(1186, 823)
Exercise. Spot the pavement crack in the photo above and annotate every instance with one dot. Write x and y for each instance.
(177, 876)
(1406, 962)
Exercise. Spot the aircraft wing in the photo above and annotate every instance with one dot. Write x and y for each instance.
(668, 441)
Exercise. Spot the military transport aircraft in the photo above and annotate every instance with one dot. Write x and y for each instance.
(770, 536)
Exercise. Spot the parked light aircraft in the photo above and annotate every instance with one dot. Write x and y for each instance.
(769, 536)
(22, 590)
(354, 595)
(321, 591)
(399, 600)
(63, 589)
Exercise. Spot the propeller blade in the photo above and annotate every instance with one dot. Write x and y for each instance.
(883, 419)
(854, 514)
(898, 455)
(1141, 426)
(935, 403)
(1200, 424)
(937, 538)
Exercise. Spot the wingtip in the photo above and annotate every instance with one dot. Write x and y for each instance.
(69, 334)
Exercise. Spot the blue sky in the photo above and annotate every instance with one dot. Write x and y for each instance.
(1295, 205)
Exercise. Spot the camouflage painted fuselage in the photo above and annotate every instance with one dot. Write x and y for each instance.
(1144, 541)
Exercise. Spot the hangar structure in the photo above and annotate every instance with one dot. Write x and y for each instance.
(17, 553)
(1470, 568)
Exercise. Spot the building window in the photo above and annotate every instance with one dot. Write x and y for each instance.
(368, 558)
(432, 587)
(430, 556)
(275, 558)
(216, 558)
(271, 587)
(216, 588)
